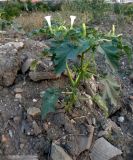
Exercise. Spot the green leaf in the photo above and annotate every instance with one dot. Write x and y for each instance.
(101, 103)
(113, 50)
(50, 98)
(112, 54)
(111, 90)
(128, 50)
(67, 50)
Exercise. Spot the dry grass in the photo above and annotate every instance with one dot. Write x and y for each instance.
(30, 21)
(35, 20)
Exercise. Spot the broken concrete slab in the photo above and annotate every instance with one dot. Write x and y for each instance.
(103, 150)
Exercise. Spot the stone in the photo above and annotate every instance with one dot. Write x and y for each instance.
(36, 128)
(131, 77)
(43, 75)
(18, 90)
(121, 119)
(131, 106)
(89, 101)
(3, 32)
(58, 153)
(18, 97)
(131, 98)
(26, 65)
(76, 144)
(17, 120)
(9, 62)
(91, 86)
(21, 146)
(112, 133)
(34, 100)
(22, 157)
(33, 111)
(103, 150)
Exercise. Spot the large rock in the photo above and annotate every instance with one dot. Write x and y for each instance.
(58, 153)
(103, 150)
(9, 62)
(76, 144)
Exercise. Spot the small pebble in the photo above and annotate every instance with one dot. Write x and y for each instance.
(17, 119)
(50, 63)
(10, 133)
(94, 121)
(121, 119)
(34, 100)
(4, 139)
(21, 146)
(33, 111)
(72, 121)
(18, 90)
(18, 96)
(131, 97)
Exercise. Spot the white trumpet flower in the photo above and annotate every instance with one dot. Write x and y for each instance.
(48, 19)
(72, 20)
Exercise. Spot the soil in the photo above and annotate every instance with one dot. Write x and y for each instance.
(22, 134)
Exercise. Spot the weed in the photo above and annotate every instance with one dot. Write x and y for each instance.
(80, 44)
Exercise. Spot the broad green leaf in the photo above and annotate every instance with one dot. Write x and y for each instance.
(101, 103)
(50, 98)
(112, 54)
(67, 51)
(113, 50)
(111, 90)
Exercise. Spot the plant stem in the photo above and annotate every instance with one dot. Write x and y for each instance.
(84, 30)
(81, 71)
(70, 75)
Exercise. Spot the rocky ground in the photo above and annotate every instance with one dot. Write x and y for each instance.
(82, 134)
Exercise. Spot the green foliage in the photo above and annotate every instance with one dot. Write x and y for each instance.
(4, 24)
(67, 50)
(124, 9)
(111, 90)
(10, 10)
(50, 98)
(96, 9)
(128, 10)
(29, 6)
(110, 94)
(117, 8)
(99, 8)
(82, 44)
(112, 52)
(101, 103)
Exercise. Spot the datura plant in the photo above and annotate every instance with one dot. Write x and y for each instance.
(73, 49)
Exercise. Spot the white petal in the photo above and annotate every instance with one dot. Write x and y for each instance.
(72, 20)
(48, 19)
